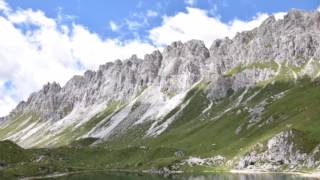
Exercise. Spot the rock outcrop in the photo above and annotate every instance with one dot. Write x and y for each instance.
(147, 89)
(290, 149)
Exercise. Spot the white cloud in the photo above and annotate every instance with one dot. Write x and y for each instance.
(318, 8)
(45, 51)
(151, 13)
(279, 15)
(133, 24)
(138, 20)
(191, 2)
(196, 24)
(213, 11)
(3, 6)
(6, 104)
(35, 49)
(113, 26)
(93, 51)
(29, 16)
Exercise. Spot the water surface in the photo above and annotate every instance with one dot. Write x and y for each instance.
(219, 176)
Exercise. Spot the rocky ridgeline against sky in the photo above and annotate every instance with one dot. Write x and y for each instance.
(279, 49)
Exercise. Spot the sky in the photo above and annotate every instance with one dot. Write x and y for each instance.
(53, 40)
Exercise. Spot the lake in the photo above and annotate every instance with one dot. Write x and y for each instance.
(220, 176)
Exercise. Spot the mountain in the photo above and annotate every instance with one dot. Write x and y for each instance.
(251, 102)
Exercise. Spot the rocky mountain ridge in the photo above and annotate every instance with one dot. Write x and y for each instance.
(251, 102)
(146, 90)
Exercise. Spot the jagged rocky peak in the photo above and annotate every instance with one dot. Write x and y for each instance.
(290, 38)
(140, 90)
(182, 65)
(150, 68)
(192, 47)
(118, 80)
(301, 20)
(293, 40)
(51, 87)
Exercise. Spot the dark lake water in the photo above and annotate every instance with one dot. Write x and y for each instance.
(222, 176)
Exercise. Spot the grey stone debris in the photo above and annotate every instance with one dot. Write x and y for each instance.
(179, 153)
(249, 58)
(294, 39)
(286, 150)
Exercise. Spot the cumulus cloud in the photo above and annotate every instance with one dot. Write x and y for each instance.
(113, 26)
(92, 51)
(139, 20)
(35, 49)
(197, 24)
(133, 24)
(151, 13)
(191, 2)
(3, 6)
(214, 9)
(279, 15)
(7, 104)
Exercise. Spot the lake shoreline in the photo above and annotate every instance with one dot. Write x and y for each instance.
(303, 174)
(232, 171)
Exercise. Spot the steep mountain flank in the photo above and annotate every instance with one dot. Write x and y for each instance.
(189, 105)
(122, 94)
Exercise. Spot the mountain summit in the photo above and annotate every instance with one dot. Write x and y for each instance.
(146, 90)
(261, 87)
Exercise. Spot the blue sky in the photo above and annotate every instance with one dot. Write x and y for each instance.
(52, 40)
(97, 14)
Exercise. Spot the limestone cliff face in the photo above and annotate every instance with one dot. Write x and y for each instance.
(294, 38)
(183, 65)
(278, 49)
(118, 80)
(289, 149)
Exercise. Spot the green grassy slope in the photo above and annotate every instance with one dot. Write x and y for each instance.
(227, 128)
(214, 133)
